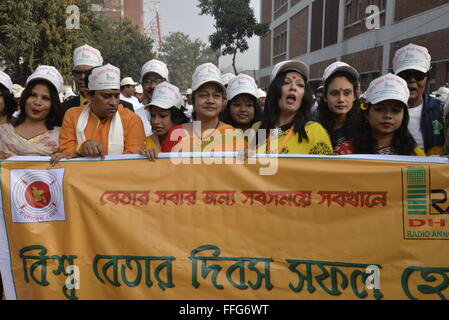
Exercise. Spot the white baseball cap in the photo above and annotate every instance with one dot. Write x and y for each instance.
(411, 57)
(189, 91)
(293, 65)
(17, 90)
(165, 96)
(387, 87)
(242, 84)
(207, 72)
(128, 81)
(105, 78)
(49, 73)
(155, 66)
(226, 78)
(6, 81)
(139, 89)
(87, 55)
(339, 66)
(261, 93)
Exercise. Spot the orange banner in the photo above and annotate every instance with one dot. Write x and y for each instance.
(319, 228)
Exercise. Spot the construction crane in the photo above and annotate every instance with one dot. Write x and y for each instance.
(153, 27)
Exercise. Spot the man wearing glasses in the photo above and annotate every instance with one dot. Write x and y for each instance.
(153, 73)
(412, 63)
(84, 59)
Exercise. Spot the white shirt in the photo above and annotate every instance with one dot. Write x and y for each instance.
(144, 114)
(189, 111)
(133, 100)
(414, 125)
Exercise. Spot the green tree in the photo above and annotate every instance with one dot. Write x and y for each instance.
(182, 55)
(234, 23)
(122, 45)
(34, 32)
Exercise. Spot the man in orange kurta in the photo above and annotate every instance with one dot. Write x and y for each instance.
(103, 126)
(98, 130)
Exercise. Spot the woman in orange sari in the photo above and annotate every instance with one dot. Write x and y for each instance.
(207, 133)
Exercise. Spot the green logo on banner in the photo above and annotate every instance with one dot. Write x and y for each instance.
(416, 191)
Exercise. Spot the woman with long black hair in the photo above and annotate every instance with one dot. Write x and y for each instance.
(287, 116)
(242, 110)
(384, 120)
(35, 131)
(338, 109)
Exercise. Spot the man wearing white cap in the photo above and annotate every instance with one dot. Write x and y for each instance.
(153, 73)
(139, 94)
(189, 103)
(17, 90)
(103, 126)
(412, 63)
(225, 79)
(84, 59)
(128, 91)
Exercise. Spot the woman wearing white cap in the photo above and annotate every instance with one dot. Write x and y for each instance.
(287, 125)
(385, 119)
(165, 111)
(35, 132)
(243, 109)
(8, 104)
(207, 133)
(338, 109)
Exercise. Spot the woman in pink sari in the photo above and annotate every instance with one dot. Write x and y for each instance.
(35, 132)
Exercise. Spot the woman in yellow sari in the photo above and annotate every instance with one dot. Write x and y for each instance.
(207, 133)
(287, 125)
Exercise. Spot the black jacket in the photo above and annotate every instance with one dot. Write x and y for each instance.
(432, 125)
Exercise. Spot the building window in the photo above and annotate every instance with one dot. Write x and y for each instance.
(278, 4)
(280, 44)
(348, 12)
(383, 4)
(358, 9)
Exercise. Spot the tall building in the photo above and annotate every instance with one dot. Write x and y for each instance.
(119, 9)
(320, 32)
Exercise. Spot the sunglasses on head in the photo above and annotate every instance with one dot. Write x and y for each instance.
(409, 74)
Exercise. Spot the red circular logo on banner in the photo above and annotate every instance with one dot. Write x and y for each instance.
(38, 194)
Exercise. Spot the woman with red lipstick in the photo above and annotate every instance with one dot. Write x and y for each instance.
(242, 109)
(287, 119)
(338, 109)
(385, 119)
(35, 132)
(165, 111)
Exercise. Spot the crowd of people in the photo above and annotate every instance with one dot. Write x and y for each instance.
(111, 115)
(106, 114)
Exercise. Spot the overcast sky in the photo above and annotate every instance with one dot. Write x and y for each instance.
(183, 15)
